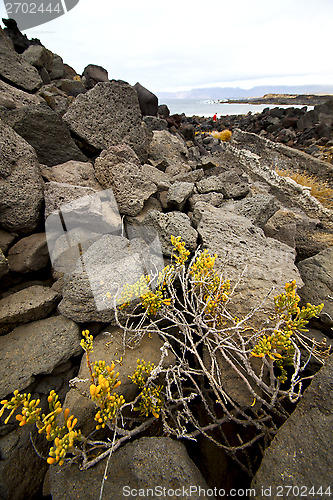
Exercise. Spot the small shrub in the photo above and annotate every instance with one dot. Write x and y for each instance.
(187, 306)
(224, 136)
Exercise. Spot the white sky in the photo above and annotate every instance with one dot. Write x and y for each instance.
(170, 45)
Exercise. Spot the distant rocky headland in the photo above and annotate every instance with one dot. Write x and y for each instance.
(283, 99)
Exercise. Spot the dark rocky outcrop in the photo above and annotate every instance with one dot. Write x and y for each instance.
(15, 70)
(21, 188)
(301, 453)
(147, 100)
(46, 132)
(93, 74)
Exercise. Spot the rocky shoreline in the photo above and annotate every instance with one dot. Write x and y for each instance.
(87, 164)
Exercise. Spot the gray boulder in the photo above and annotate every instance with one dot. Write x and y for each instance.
(58, 69)
(257, 208)
(46, 132)
(154, 123)
(58, 194)
(148, 101)
(291, 227)
(93, 74)
(171, 224)
(234, 184)
(29, 254)
(149, 464)
(161, 179)
(21, 184)
(317, 274)
(73, 172)
(30, 304)
(243, 247)
(130, 185)
(167, 149)
(77, 216)
(210, 184)
(14, 69)
(39, 57)
(300, 456)
(34, 349)
(107, 115)
(12, 98)
(215, 199)
(104, 268)
(178, 195)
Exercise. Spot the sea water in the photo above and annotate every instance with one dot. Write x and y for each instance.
(201, 107)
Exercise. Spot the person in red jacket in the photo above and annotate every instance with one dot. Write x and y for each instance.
(215, 117)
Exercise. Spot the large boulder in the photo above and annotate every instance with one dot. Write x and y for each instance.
(58, 194)
(21, 184)
(58, 69)
(39, 57)
(94, 74)
(242, 247)
(300, 456)
(166, 150)
(74, 172)
(103, 270)
(29, 254)
(178, 194)
(130, 185)
(317, 274)
(77, 216)
(14, 69)
(108, 114)
(30, 304)
(45, 131)
(170, 224)
(149, 464)
(147, 100)
(12, 98)
(34, 349)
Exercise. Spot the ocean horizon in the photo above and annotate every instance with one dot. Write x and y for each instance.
(208, 108)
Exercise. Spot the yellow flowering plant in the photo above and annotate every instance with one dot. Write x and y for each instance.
(59, 426)
(230, 369)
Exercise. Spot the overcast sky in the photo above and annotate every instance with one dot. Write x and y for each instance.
(171, 45)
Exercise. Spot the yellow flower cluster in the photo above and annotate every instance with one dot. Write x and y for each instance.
(101, 392)
(134, 291)
(64, 436)
(179, 247)
(142, 372)
(150, 397)
(30, 410)
(224, 136)
(87, 342)
(150, 401)
(205, 277)
(278, 345)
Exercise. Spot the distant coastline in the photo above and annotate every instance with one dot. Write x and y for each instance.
(283, 99)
